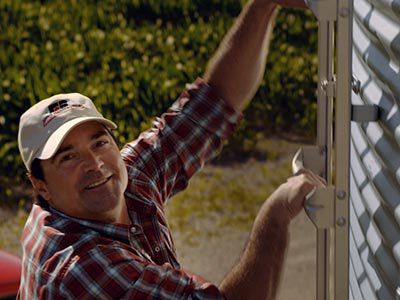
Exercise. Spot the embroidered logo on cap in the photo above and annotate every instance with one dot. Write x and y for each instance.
(56, 106)
(61, 106)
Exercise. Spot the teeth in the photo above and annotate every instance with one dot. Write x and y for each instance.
(97, 183)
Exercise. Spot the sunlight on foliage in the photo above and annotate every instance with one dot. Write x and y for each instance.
(133, 59)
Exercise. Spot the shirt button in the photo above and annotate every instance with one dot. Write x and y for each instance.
(157, 249)
(133, 229)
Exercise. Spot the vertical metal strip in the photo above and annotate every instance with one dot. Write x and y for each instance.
(342, 149)
(324, 140)
(323, 246)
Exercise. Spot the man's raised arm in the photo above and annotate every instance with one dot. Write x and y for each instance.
(235, 73)
(237, 68)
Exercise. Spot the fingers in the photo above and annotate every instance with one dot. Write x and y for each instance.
(312, 174)
(293, 193)
(296, 190)
(305, 183)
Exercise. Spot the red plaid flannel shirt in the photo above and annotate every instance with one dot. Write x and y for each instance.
(70, 258)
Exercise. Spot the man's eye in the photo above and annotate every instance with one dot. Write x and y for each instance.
(100, 144)
(67, 157)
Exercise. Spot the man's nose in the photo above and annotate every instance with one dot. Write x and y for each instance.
(92, 161)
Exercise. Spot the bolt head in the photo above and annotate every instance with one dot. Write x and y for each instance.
(341, 221)
(344, 12)
(341, 194)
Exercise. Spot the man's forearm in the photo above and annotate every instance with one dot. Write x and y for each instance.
(258, 273)
(237, 68)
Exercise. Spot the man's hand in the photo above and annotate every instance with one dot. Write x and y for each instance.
(291, 195)
(258, 273)
(291, 3)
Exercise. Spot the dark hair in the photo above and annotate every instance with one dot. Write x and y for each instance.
(37, 172)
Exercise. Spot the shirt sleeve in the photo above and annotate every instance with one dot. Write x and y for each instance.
(163, 158)
(117, 274)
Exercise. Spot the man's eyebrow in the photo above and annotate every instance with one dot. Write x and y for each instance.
(66, 148)
(98, 134)
(60, 151)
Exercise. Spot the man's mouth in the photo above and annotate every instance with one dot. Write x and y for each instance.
(97, 183)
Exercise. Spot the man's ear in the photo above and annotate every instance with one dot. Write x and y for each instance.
(40, 187)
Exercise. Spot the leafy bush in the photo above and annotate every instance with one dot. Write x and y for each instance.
(133, 59)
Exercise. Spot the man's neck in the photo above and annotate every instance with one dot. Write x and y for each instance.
(124, 216)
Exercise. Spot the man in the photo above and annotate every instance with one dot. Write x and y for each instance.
(99, 229)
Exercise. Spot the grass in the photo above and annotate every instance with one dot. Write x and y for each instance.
(11, 225)
(217, 197)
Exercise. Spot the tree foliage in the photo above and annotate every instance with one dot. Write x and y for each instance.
(133, 59)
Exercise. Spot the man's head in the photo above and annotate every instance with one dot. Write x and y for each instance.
(83, 174)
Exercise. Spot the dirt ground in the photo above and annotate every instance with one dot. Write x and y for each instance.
(213, 257)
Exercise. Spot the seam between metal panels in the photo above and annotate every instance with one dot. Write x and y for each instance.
(368, 279)
(383, 257)
(381, 142)
(385, 6)
(372, 189)
(390, 202)
(353, 279)
(358, 165)
(383, 264)
(381, 29)
(370, 266)
(377, 62)
(370, 90)
(375, 151)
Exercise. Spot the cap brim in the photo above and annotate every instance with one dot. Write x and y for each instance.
(53, 143)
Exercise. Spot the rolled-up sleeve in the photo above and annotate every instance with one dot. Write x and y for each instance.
(190, 133)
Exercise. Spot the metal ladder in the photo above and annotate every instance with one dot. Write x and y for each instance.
(328, 208)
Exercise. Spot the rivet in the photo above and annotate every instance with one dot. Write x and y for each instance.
(341, 194)
(341, 221)
(344, 12)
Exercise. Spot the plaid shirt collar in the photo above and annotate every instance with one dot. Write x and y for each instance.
(117, 231)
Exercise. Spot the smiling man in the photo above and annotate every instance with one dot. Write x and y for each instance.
(98, 228)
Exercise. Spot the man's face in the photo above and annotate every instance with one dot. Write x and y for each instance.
(87, 177)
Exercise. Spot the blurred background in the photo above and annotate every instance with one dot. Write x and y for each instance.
(133, 58)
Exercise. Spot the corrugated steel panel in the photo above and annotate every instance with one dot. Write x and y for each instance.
(375, 153)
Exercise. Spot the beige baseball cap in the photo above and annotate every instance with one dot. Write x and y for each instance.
(43, 127)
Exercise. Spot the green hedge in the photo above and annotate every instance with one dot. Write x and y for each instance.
(133, 59)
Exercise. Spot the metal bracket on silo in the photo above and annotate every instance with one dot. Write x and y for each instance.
(355, 84)
(324, 10)
(364, 113)
(319, 204)
(329, 87)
